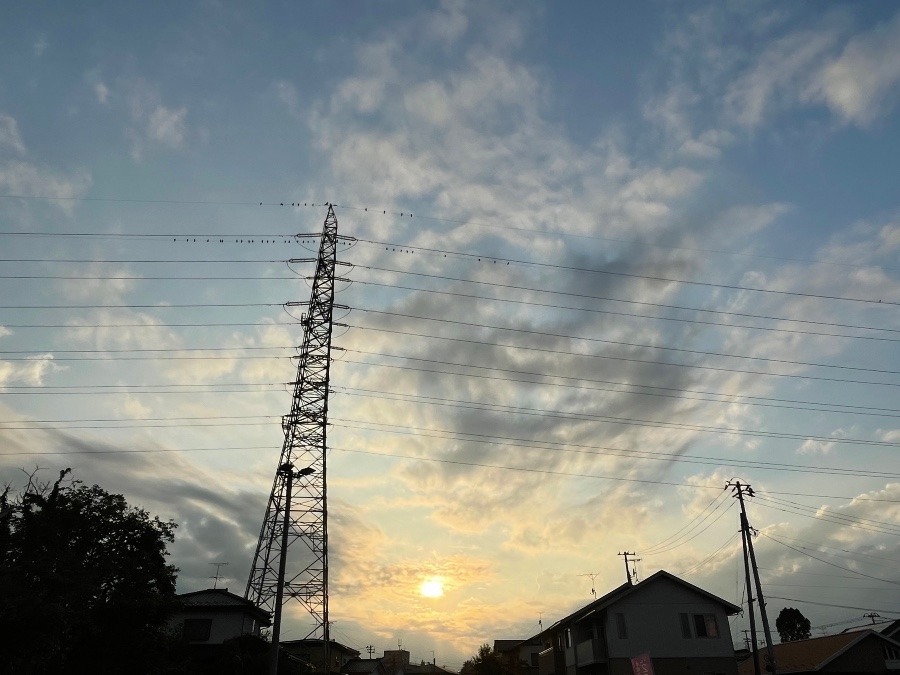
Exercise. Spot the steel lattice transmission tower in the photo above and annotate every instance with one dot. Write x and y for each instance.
(300, 479)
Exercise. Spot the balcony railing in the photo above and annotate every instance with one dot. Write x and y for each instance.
(586, 653)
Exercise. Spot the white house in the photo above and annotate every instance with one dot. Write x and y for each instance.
(212, 616)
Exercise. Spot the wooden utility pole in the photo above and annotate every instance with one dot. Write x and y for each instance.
(739, 490)
(627, 568)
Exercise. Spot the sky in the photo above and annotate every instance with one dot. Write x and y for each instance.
(608, 258)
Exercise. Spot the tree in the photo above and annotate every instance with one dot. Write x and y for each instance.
(792, 625)
(485, 662)
(85, 579)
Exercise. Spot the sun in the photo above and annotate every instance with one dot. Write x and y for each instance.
(432, 588)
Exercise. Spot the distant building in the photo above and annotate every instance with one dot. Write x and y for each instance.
(213, 616)
(861, 653)
(680, 627)
(394, 662)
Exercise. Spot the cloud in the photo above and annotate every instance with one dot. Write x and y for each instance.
(815, 447)
(860, 84)
(40, 46)
(24, 178)
(156, 123)
(779, 75)
(32, 371)
(289, 96)
(18, 176)
(773, 63)
(167, 126)
(9, 134)
(217, 514)
(102, 92)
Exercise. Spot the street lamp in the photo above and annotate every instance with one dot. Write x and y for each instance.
(286, 470)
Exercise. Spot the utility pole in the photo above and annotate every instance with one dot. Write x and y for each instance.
(297, 510)
(370, 649)
(628, 569)
(739, 490)
(754, 645)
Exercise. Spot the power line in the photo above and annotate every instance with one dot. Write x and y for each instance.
(123, 277)
(678, 544)
(193, 305)
(579, 383)
(620, 343)
(529, 443)
(816, 514)
(136, 451)
(582, 339)
(825, 604)
(822, 560)
(854, 554)
(651, 317)
(579, 475)
(384, 211)
(557, 414)
(454, 462)
(133, 261)
(570, 382)
(225, 324)
(602, 450)
(668, 280)
(665, 542)
(706, 560)
(624, 358)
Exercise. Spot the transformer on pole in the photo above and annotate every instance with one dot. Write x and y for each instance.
(291, 556)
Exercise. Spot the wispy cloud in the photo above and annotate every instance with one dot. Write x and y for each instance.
(155, 123)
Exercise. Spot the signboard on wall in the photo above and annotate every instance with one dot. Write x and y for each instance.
(642, 665)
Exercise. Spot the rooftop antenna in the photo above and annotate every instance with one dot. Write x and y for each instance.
(217, 576)
(592, 576)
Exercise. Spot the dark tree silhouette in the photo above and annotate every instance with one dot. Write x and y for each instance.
(85, 582)
(484, 662)
(792, 625)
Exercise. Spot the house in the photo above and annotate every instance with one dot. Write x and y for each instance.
(520, 657)
(680, 627)
(861, 652)
(364, 667)
(312, 652)
(213, 616)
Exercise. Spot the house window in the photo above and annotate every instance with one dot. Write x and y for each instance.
(568, 638)
(891, 653)
(621, 628)
(685, 626)
(196, 630)
(705, 626)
